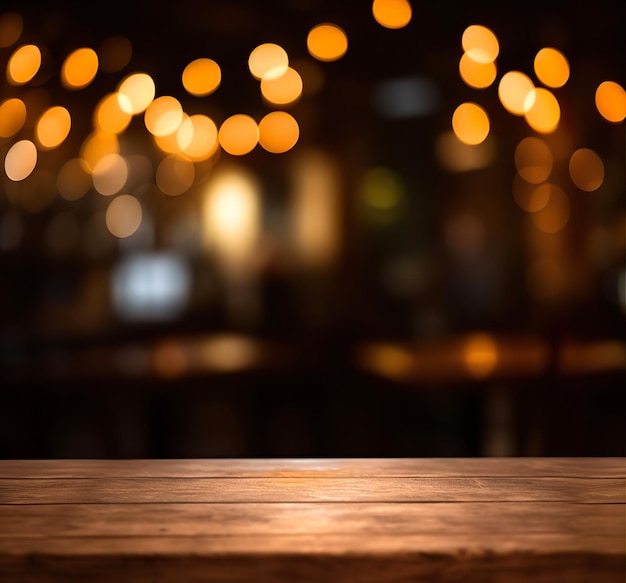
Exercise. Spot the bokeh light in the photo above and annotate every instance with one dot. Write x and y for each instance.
(123, 216)
(327, 42)
(278, 132)
(231, 215)
(315, 231)
(551, 67)
(109, 116)
(268, 58)
(173, 143)
(480, 355)
(175, 175)
(284, 89)
(480, 43)
(20, 160)
(201, 77)
(470, 123)
(197, 137)
(382, 191)
(610, 98)
(136, 91)
(97, 145)
(12, 116)
(79, 68)
(534, 160)
(515, 92)
(476, 74)
(545, 112)
(586, 169)
(554, 215)
(23, 64)
(110, 174)
(53, 127)
(392, 14)
(239, 134)
(539, 197)
(73, 181)
(11, 28)
(163, 116)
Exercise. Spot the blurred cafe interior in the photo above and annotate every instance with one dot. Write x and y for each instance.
(309, 228)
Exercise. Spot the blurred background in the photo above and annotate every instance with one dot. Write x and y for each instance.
(308, 228)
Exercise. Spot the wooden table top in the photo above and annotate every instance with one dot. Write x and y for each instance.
(359, 520)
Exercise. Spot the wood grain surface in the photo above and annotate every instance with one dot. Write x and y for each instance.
(503, 520)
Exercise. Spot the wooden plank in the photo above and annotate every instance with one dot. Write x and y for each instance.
(314, 568)
(309, 489)
(357, 518)
(359, 467)
(328, 544)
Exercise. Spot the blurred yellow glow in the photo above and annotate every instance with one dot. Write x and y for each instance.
(327, 42)
(470, 123)
(197, 137)
(231, 215)
(109, 116)
(175, 175)
(475, 73)
(455, 156)
(387, 360)
(20, 160)
(278, 132)
(73, 181)
(53, 127)
(110, 174)
(382, 190)
(284, 89)
(586, 169)
(545, 113)
(201, 77)
(115, 53)
(514, 90)
(23, 64)
(533, 160)
(79, 68)
(97, 145)
(551, 67)
(12, 116)
(392, 13)
(163, 116)
(554, 214)
(11, 27)
(239, 134)
(315, 222)
(227, 353)
(480, 43)
(480, 355)
(610, 100)
(268, 58)
(123, 216)
(136, 92)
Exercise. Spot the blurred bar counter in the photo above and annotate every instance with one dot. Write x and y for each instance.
(224, 395)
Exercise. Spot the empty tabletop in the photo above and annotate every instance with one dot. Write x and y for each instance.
(359, 520)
